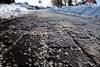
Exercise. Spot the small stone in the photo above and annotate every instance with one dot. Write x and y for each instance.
(1, 56)
(59, 50)
(5, 36)
(15, 65)
(60, 64)
(4, 61)
(29, 54)
(6, 49)
(24, 53)
(2, 45)
(58, 56)
(26, 63)
(30, 64)
(1, 66)
(66, 53)
(51, 63)
(30, 60)
(29, 49)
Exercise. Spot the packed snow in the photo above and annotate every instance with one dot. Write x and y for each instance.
(12, 10)
(84, 10)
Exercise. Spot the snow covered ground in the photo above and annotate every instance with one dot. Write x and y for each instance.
(84, 10)
(12, 10)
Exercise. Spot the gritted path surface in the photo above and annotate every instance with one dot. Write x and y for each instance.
(50, 40)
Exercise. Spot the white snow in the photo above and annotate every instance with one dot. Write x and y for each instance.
(98, 2)
(12, 10)
(84, 10)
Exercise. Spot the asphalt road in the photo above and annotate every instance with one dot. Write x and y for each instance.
(50, 40)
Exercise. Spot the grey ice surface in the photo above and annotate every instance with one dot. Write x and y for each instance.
(50, 40)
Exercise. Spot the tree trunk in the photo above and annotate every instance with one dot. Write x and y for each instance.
(65, 1)
(7, 1)
(95, 2)
(70, 3)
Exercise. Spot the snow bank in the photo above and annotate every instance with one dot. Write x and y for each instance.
(84, 10)
(12, 10)
(98, 2)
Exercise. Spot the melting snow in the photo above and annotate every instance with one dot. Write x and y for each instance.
(12, 10)
(84, 10)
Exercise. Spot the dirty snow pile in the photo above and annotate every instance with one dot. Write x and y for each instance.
(84, 10)
(12, 10)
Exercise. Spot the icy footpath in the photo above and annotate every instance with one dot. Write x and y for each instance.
(84, 10)
(12, 10)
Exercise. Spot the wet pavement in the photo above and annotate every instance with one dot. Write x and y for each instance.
(50, 40)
